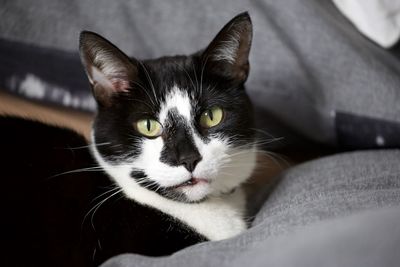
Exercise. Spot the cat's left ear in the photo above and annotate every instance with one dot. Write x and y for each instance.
(228, 54)
(109, 70)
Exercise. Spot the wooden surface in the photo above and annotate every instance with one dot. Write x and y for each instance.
(12, 105)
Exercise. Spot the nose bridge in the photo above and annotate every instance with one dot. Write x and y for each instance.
(187, 153)
(184, 142)
(180, 148)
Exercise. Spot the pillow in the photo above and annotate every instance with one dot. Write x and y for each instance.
(44, 74)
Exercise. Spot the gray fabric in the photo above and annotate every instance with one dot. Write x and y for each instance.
(307, 60)
(342, 210)
(331, 187)
(333, 243)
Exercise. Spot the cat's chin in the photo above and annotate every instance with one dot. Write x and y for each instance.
(194, 190)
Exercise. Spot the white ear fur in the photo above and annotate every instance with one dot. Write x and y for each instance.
(227, 50)
(96, 76)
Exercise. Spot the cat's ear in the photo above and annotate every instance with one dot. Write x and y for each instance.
(228, 54)
(109, 70)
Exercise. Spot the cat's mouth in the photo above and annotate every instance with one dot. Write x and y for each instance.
(192, 182)
(190, 191)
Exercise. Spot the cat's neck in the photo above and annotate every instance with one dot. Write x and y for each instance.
(215, 218)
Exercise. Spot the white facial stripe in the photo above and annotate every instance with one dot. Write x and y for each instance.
(179, 100)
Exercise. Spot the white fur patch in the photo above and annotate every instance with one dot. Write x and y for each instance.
(178, 99)
(215, 218)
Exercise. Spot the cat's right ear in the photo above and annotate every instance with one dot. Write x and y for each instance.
(228, 54)
(109, 70)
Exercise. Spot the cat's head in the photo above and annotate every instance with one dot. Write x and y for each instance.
(180, 126)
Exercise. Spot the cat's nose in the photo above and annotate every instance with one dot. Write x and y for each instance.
(189, 160)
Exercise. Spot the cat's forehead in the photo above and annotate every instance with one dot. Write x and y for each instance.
(178, 100)
(169, 72)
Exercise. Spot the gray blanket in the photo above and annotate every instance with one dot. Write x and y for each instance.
(341, 210)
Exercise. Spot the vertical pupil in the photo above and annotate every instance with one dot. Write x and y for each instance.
(148, 125)
(210, 114)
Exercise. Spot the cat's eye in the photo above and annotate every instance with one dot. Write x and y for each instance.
(211, 117)
(149, 127)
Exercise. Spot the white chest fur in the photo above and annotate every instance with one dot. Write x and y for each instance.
(216, 218)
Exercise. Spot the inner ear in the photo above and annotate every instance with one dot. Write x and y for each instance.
(228, 53)
(109, 70)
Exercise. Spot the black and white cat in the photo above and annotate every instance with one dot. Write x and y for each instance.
(178, 129)
(175, 136)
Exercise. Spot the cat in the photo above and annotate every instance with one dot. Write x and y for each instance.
(177, 128)
(175, 139)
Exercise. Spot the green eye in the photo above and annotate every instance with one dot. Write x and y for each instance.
(149, 127)
(211, 117)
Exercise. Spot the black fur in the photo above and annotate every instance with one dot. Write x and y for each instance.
(45, 212)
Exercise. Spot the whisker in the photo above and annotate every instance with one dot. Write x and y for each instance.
(143, 102)
(145, 91)
(105, 193)
(201, 75)
(87, 146)
(263, 132)
(187, 74)
(90, 169)
(149, 80)
(197, 81)
(97, 206)
(275, 155)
